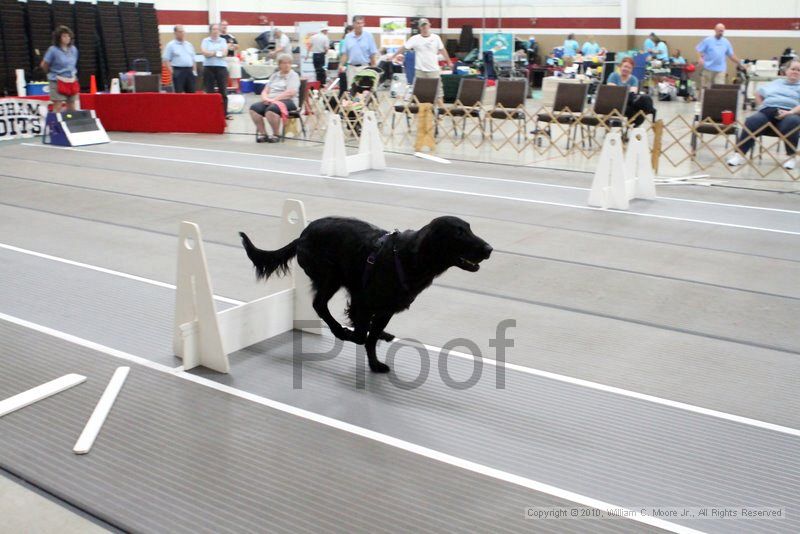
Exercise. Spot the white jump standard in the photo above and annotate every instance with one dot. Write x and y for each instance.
(205, 337)
(336, 162)
(619, 179)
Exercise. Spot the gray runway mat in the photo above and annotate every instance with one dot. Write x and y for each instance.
(617, 449)
(613, 448)
(96, 306)
(785, 221)
(177, 457)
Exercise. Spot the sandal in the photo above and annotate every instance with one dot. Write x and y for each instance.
(262, 139)
(273, 139)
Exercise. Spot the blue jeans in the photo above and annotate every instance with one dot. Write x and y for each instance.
(789, 126)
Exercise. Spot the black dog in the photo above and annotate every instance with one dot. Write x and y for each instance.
(383, 272)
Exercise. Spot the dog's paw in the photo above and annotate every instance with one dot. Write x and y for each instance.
(386, 336)
(379, 367)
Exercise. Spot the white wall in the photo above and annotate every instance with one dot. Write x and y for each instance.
(717, 8)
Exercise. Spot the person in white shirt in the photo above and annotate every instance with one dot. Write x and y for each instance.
(427, 47)
(318, 45)
(282, 44)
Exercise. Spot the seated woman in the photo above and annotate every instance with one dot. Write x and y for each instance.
(779, 104)
(638, 105)
(677, 58)
(280, 95)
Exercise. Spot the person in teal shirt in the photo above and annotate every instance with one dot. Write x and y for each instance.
(661, 51)
(590, 47)
(571, 46)
(677, 58)
(650, 43)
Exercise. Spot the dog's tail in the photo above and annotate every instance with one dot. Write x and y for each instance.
(267, 262)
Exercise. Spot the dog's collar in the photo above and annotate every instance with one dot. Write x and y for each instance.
(373, 257)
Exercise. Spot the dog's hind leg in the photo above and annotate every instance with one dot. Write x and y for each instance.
(379, 322)
(323, 295)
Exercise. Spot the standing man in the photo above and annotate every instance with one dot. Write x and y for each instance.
(318, 45)
(215, 70)
(427, 48)
(179, 59)
(712, 51)
(359, 50)
(232, 60)
(282, 44)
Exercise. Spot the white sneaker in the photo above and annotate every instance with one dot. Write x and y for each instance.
(736, 160)
(790, 163)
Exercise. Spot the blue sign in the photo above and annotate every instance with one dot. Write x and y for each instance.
(501, 44)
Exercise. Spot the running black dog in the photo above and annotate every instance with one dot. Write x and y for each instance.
(383, 272)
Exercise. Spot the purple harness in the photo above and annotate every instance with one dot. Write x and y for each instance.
(373, 257)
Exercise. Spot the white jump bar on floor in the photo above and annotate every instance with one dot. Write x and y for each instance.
(38, 393)
(95, 423)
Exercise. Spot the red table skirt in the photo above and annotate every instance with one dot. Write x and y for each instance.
(156, 112)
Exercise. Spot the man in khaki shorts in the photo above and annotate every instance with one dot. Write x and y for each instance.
(427, 48)
(713, 50)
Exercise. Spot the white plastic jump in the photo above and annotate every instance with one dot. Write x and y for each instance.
(205, 337)
(336, 162)
(619, 179)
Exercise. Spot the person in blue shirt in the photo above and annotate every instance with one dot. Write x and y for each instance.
(712, 53)
(61, 61)
(650, 43)
(661, 51)
(677, 58)
(358, 50)
(779, 104)
(590, 47)
(178, 56)
(571, 46)
(215, 67)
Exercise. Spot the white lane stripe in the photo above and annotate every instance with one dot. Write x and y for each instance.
(362, 432)
(487, 178)
(105, 271)
(489, 361)
(435, 189)
(624, 392)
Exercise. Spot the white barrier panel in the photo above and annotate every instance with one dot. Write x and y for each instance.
(639, 166)
(620, 178)
(336, 162)
(204, 337)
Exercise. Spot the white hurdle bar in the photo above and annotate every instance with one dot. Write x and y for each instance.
(205, 337)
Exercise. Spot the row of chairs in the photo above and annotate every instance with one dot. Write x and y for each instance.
(568, 108)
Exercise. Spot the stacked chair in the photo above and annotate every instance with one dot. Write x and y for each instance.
(113, 47)
(87, 42)
(16, 52)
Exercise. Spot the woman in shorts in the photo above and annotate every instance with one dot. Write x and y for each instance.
(60, 63)
(280, 95)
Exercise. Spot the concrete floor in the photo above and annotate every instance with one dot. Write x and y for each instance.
(698, 313)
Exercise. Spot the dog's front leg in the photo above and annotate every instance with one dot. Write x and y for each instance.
(379, 322)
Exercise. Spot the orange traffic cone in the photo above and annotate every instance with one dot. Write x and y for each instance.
(93, 85)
